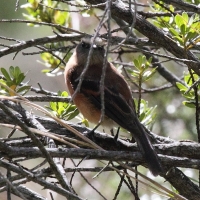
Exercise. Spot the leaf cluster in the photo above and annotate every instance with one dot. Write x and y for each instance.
(47, 11)
(180, 32)
(13, 78)
(184, 30)
(187, 89)
(63, 110)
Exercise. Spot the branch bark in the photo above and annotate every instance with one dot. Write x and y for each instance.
(118, 9)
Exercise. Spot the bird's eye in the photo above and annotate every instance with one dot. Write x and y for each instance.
(85, 45)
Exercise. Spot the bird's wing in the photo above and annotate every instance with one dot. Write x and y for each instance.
(116, 107)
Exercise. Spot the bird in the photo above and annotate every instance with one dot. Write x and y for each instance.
(119, 107)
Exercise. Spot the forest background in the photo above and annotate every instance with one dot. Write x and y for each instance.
(155, 45)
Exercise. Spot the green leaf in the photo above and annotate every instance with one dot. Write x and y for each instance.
(5, 73)
(63, 110)
(181, 86)
(185, 17)
(53, 106)
(14, 78)
(191, 35)
(23, 88)
(189, 104)
(64, 94)
(73, 114)
(12, 71)
(191, 20)
(85, 122)
(60, 17)
(183, 29)
(20, 78)
(148, 74)
(180, 40)
(173, 32)
(135, 73)
(46, 71)
(136, 63)
(142, 116)
(17, 72)
(179, 20)
(9, 83)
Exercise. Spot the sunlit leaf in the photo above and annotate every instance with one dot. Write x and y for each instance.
(5, 73)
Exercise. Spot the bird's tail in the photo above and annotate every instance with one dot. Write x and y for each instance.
(146, 147)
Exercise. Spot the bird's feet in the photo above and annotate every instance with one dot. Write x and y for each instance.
(90, 134)
(115, 135)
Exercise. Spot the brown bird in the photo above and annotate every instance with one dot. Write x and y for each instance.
(118, 102)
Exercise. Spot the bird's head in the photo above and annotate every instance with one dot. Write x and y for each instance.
(96, 47)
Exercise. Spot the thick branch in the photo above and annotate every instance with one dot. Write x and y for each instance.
(34, 152)
(183, 184)
(183, 5)
(154, 34)
(123, 151)
(37, 142)
(42, 182)
(38, 41)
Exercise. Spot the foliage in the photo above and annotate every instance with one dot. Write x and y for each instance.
(48, 11)
(14, 80)
(63, 110)
(147, 114)
(51, 62)
(141, 74)
(184, 30)
(160, 74)
(187, 90)
(45, 13)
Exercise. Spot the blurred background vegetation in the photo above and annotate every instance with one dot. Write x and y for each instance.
(171, 118)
